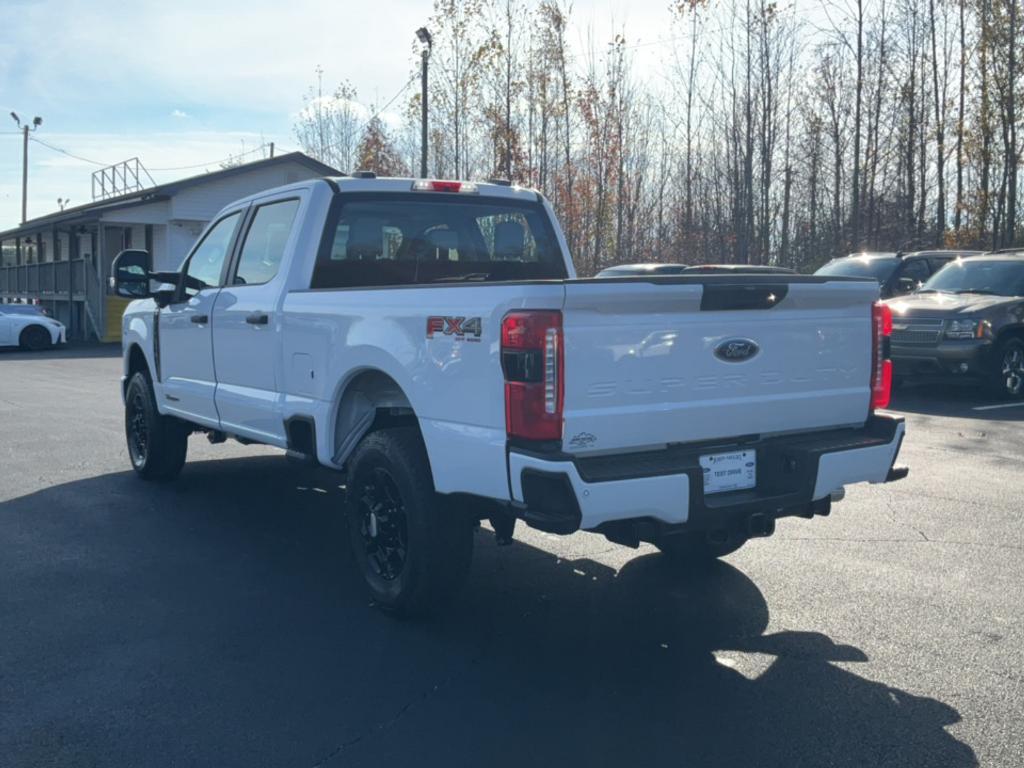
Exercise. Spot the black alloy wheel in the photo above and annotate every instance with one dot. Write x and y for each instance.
(138, 428)
(1011, 369)
(382, 523)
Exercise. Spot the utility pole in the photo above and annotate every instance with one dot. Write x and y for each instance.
(427, 40)
(36, 122)
(24, 175)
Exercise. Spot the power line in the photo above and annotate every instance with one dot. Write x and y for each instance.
(393, 98)
(195, 166)
(378, 113)
(69, 154)
(214, 162)
(174, 168)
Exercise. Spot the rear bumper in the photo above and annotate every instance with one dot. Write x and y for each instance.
(796, 474)
(961, 357)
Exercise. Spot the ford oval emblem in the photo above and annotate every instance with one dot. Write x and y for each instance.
(736, 350)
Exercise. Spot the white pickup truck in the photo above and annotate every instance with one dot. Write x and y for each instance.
(430, 339)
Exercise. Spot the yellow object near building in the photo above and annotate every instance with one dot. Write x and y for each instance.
(114, 308)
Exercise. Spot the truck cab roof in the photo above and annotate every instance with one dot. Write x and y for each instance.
(398, 185)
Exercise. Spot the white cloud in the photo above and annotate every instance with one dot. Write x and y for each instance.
(179, 113)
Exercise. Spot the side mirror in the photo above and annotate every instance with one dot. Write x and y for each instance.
(130, 274)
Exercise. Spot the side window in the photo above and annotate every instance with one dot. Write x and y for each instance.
(916, 270)
(207, 260)
(265, 242)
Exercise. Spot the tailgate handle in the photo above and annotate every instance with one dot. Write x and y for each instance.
(724, 297)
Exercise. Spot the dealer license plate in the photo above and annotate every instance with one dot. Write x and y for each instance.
(732, 471)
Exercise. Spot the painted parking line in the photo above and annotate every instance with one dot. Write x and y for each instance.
(994, 407)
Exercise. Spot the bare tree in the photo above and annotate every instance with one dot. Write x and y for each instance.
(328, 126)
(772, 140)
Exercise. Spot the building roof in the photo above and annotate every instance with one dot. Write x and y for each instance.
(162, 192)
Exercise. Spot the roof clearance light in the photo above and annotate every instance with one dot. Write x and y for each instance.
(428, 185)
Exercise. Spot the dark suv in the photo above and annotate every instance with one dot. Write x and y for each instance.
(896, 273)
(967, 320)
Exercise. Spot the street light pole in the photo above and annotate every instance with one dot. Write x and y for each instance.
(36, 122)
(427, 40)
(24, 175)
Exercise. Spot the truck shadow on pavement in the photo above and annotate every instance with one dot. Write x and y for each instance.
(219, 621)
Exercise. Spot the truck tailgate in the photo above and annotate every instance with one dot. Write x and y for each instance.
(655, 362)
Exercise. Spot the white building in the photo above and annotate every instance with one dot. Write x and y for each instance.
(62, 260)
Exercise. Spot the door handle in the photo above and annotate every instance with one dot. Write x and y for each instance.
(201, 319)
(257, 318)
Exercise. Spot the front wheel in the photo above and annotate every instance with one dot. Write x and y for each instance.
(412, 549)
(35, 338)
(1008, 374)
(156, 444)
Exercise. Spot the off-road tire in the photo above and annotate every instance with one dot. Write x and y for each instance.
(156, 444)
(412, 549)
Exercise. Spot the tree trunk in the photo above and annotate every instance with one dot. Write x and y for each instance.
(1012, 160)
(939, 94)
(855, 202)
(958, 210)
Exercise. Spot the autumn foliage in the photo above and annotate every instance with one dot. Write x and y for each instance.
(753, 131)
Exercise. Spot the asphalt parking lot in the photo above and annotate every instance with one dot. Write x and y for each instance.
(219, 621)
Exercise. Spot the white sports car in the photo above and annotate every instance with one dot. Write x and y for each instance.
(28, 327)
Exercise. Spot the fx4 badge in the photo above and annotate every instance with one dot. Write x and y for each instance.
(467, 328)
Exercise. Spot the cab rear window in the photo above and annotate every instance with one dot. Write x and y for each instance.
(417, 239)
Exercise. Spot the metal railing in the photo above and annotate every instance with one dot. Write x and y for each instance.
(49, 281)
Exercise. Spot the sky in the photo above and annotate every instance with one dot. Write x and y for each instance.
(190, 82)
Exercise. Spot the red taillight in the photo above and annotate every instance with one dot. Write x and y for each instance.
(532, 361)
(431, 185)
(881, 365)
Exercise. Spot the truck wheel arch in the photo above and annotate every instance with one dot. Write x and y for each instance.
(369, 397)
(135, 362)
